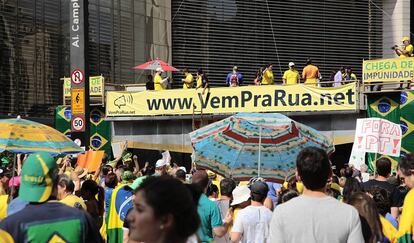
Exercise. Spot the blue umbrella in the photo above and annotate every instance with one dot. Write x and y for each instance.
(254, 144)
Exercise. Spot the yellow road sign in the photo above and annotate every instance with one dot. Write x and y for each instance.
(78, 101)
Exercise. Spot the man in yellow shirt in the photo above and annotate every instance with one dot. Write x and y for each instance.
(310, 73)
(291, 76)
(268, 78)
(407, 50)
(159, 82)
(188, 80)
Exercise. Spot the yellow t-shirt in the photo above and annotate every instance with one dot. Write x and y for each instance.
(410, 49)
(73, 201)
(157, 83)
(406, 226)
(267, 77)
(310, 74)
(291, 76)
(3, 206)
(188, 77)
(199, 81)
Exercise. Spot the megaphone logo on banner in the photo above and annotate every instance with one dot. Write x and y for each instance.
(122, 101)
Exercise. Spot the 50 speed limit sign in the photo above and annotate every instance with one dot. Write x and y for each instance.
(78, 123)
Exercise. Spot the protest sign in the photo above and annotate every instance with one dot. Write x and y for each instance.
(117, 149)
(91, 160)
(376, 135)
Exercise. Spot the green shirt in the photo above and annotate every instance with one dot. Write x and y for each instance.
(210, 218)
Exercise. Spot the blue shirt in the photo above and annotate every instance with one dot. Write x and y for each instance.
(210, 218)
(16, 205)
(273, 187)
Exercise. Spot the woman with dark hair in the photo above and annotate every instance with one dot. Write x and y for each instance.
(111, 181)
(164, 211)
(286, 195)
(95, 208)
(368, 211)
(202, 80)
(351, 186)
(259, 76)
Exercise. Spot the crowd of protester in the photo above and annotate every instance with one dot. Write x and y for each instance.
(122, 202)
(264, 76)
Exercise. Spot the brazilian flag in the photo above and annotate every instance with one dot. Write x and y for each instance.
(100, 130)
(385, 106)
(121, 202)
(407, 122)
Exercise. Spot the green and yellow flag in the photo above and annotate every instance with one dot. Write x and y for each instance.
(385, 106)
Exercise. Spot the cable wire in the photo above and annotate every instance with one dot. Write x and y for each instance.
(274, 38)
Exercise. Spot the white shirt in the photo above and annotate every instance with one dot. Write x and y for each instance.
(312, 219)
(337, 79)
(253, 223)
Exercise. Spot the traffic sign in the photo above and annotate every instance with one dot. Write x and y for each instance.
(77, 76)
(78, 124)
(78, 101)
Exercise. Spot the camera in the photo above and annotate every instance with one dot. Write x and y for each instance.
(394, 47)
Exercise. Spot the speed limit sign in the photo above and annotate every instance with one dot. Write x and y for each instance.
(78, 123)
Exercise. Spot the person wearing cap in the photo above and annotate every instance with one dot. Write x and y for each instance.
(161, 167)
(209, 212)
(315, 216)
(310, 73)
(291, 76)
(234, 78)
(180, 174)
(252, 222)
(188, 80)
(159, 82)
(43, 219)
(407, 50)
(128, 177)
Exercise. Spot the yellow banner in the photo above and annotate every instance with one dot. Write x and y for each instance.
(95, 86)
(387, 70)
(272, 98)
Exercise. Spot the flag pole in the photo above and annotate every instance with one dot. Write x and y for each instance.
(260, 148)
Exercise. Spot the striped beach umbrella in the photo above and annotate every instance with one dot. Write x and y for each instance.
(154, 64)
(254, 144)
(24, 136)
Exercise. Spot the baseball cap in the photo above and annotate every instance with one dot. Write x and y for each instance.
(38, 175)
(127, 176)
(158, 69)
(161, 163)
(259, 188)
(291, 64)
(405, 38)
(240, 194)
(183, 168)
